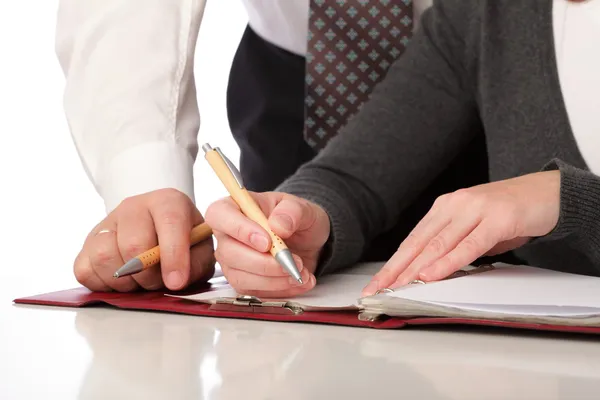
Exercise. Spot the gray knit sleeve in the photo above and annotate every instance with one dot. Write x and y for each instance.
(579, 218)
(416, 122)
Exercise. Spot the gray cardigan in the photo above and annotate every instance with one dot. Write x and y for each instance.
(473, 64)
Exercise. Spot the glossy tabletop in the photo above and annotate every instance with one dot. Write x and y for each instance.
(102, 353)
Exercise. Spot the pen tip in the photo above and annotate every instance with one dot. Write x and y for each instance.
(116, 275)
(300, 281)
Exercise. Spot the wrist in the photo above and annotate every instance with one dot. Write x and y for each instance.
(146, 168)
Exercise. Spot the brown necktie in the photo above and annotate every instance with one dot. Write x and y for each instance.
(351, 44)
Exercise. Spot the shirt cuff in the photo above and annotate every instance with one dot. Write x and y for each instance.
(145, 168)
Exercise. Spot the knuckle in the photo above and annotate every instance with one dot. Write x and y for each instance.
(172, 217)
(471, 244)
(242, 234)
(440, 201)
(437, 245)
(83, 272)
(135, 247)
(174, 250)
(102, 255)
(506, 225)
(168, 193)
(461, 197)
(129, 202)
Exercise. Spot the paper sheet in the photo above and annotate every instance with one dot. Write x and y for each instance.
(513, 290)
(331, 292)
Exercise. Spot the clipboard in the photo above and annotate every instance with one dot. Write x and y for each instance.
(287, 310)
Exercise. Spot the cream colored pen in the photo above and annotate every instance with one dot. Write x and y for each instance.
(232, 180)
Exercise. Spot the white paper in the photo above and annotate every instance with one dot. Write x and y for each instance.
(332, 291)
(512, 290)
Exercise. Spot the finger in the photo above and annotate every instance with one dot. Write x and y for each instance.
(239, 256)
(476, 244)
(243, 281)
(438, 246)
(202, 262)
(291, 215)
(86, 276)
(105, 259)
(410, 248)
(284, 294)
(225, 216)
(136, 234)
(507, 245)
(173, 218)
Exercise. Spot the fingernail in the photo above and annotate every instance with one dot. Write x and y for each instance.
(285, 221)
(371, 288)
(426, 274)
(174, 280)
(260, 242)
(294, 282)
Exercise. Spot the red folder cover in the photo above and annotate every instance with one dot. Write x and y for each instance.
(157, 301)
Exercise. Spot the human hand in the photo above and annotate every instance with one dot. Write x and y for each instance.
(462, 226)
(164, 217)
(243, 245)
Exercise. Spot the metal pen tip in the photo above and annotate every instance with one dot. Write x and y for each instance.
(285, 259)
(131, 267)
(300, 281)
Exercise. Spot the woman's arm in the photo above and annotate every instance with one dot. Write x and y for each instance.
(416, 122)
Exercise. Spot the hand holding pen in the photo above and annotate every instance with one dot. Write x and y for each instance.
(257, 232)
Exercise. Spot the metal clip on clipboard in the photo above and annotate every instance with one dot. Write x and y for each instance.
(251, 304)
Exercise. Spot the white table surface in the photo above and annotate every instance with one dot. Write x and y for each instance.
(102, 353)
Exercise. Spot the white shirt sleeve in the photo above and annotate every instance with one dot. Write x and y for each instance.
(130, 97)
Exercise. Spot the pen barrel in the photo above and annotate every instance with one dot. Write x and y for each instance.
(150, 257)
(251, 209)
(198, 234)
(243, 199)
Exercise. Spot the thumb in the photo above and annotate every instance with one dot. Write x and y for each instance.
(291, 215)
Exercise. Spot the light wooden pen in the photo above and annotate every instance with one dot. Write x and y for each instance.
(232, 180)
(152, 257)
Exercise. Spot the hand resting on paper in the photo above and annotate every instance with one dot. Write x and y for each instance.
(139, 223)
(243, 245)
(462, 226)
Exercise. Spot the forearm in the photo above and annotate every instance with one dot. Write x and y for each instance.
(416, 122)
(130, 97)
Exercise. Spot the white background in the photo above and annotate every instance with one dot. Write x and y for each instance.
(47, 203)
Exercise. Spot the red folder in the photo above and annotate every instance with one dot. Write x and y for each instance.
(157, 301)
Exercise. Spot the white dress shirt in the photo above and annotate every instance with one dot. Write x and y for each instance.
(130, 97)
(577, 40)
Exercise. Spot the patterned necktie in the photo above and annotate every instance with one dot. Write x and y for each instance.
(351, 44)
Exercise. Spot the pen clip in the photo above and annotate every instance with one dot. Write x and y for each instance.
(234, 171)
